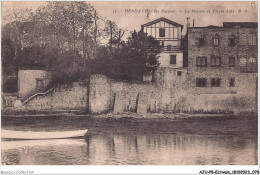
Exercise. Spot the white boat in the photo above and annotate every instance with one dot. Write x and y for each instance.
(39, 135)
(17, 144)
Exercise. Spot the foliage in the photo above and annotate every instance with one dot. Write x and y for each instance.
(65, 38)
(135, 57)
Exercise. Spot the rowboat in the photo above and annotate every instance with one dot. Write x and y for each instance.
(17, 144)
(39, 135)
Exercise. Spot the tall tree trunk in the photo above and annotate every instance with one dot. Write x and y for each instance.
(74, 37)
(95, 33)
(86, 49)
(111, 35)
(83, 46)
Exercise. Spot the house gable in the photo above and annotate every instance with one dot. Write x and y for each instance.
(164, 20)
(163, 29)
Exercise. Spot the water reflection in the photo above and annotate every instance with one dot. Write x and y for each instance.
(149, 149)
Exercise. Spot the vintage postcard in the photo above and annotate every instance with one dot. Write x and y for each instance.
(129, 83)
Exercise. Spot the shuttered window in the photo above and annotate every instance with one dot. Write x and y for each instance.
(173, 59)
(161, 32)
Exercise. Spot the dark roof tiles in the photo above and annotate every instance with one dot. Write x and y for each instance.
(240, 24)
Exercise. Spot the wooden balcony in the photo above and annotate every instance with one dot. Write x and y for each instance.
(171, 48)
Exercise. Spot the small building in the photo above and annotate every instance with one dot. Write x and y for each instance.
(169, 34)
(32, 81)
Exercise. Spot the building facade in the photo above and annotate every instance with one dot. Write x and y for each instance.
(223, 61)
(169, 34)
(218, 56)
(220, 73)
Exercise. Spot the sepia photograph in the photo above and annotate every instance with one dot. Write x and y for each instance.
(129, 83)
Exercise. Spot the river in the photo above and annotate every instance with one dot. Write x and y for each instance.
(198, 141)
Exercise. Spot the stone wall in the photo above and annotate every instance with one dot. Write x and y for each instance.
(27, 81)
(170, 93)
(131, 97)
(119, 97)
(100, 94)
(8, 99)
(180, 95)
(70, 97)
(63, 97)
(173, 93)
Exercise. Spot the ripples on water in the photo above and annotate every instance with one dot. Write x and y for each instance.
(208, 141)
(166, 149)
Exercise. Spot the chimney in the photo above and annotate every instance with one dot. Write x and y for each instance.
(188, 22)
(193, 23)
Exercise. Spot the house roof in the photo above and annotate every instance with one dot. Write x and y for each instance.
(240, 24)
(212, 26)
(162, 19)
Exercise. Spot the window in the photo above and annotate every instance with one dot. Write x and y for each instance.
(231, 61)
(201, 40)
(201, 82)
(178, 73)
(201, 61)
(232, 82)
(215, 61)
(248, 65)
(243, 39)
(215, 82)
(232, 41)
(173, 59)
(242, 62)
(251, 65)
(162, 43)
(252, 60)
(169, 47)
(252, 39)
(161, 32)
(216, 41)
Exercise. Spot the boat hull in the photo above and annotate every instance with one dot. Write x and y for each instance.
(31, 135)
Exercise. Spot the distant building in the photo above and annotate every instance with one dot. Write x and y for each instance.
(169, 34)
(217, 56)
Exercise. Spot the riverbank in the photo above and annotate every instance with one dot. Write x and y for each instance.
(117, 116)
(83, 113)
(240, 125)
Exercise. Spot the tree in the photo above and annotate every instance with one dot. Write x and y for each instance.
(114, 33)
(69, 26)
(138, 55)
(54, 35)
(66, 37)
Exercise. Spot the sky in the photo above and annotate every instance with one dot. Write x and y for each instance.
(131, 15)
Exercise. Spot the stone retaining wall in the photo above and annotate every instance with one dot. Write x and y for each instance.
(171, 94)
(64, 97)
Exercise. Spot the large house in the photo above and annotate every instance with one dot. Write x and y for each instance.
(219, 71)
(169, 34)
(222, 58)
